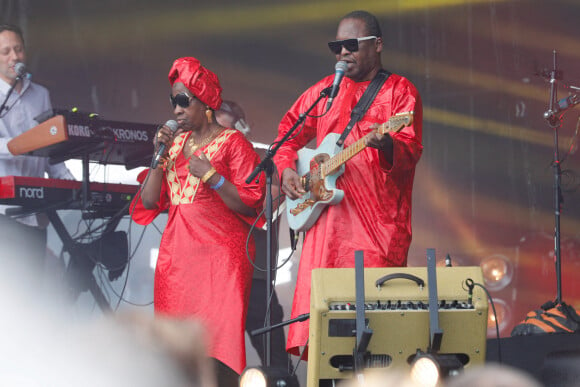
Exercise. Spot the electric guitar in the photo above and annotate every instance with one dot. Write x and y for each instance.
(319, 168)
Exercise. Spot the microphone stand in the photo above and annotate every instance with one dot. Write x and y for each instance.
(16, 80)
(555, 123)
(261, 331)
(267, 165)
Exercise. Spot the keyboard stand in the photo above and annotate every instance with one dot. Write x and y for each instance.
(79, 271)
(80, 266)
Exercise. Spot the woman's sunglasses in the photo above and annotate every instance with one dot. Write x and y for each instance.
(181, 99)
(350, 44)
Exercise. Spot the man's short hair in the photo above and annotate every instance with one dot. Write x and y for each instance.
(13, 28)
(236, 114)
(233, 109)
(371, 22)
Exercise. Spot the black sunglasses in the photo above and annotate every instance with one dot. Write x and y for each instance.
(181, 99)
(350, 44)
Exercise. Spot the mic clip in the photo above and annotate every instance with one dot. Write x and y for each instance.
(326, 91)
(550, 116)
(331, 96)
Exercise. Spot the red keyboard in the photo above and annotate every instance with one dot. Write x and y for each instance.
(37, 192)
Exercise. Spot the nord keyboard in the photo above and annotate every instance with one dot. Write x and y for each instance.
(78, 136)
(36, 193)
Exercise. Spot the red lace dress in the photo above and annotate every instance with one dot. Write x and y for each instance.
(375, 214)
(202, 271)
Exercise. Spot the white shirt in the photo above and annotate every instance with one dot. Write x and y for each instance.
(23, 107)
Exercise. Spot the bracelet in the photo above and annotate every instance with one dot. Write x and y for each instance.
(208, 175)
(218, 184)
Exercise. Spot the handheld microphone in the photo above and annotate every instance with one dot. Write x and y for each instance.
(339, 70)
(171, 124)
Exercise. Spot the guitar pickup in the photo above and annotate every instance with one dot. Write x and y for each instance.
(305, 181)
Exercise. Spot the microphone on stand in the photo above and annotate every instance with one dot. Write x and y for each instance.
(567, 102)
(171, 124)
(339, 70)
(562, 105)
(20, 70)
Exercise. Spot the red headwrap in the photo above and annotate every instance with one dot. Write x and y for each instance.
(204, 84)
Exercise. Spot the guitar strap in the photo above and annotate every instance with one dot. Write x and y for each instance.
(364, 103)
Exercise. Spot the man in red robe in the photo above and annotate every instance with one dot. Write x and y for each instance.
(375, 214)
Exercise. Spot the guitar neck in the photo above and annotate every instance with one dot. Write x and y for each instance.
(394, 124)
(335, 162)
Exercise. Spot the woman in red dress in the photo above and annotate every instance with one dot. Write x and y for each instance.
(203, 271)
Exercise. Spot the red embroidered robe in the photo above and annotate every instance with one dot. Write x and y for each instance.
(375, 214)
(202, 271)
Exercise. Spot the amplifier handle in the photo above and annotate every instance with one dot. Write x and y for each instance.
(410, 277)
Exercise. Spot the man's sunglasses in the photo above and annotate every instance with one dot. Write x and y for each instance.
(181, 99)
(350, 44)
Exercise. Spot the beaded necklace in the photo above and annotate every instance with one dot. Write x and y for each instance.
(193, 145)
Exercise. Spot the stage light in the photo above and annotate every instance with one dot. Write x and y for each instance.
(266, 377)
(253, 377)
(503, 317)
(429, 370)
(497, 271)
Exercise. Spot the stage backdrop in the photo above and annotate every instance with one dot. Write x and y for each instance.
(484, 188)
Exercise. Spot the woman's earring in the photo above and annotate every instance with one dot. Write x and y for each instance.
(208, 114)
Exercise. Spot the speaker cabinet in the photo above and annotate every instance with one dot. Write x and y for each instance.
(397, 313)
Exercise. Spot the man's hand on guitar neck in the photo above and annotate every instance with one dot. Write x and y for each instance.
(383, 142)
(291, 184)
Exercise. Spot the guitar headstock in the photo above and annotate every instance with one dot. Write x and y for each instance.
(396, 123)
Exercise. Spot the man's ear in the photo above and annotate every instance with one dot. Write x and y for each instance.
(379, 44)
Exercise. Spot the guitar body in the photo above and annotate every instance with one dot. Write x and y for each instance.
(320, 192)
(319, 169)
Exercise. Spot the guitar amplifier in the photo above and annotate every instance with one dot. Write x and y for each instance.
(397, 312)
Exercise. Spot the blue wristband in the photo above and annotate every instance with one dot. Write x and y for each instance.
(219, 183)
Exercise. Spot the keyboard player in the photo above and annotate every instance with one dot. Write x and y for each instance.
(22, 100)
